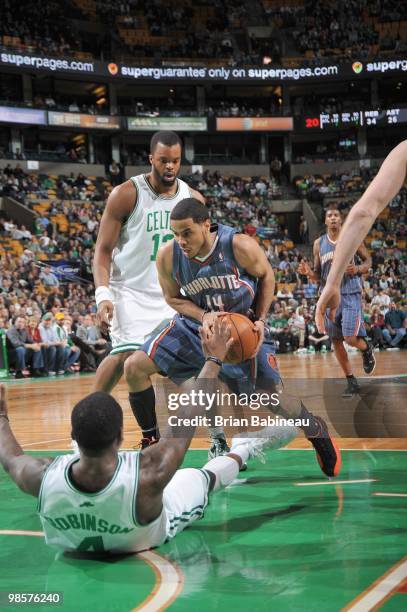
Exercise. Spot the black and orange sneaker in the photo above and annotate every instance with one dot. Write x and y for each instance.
(328, 454)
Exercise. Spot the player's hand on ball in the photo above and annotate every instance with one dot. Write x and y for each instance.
(329, 298)
(104, 316)
(209, 319)
(217, 341)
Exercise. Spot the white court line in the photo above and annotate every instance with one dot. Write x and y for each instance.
(332, 482)
(390, 494)
(380, 589)
(169, 579)
(45, 442)
(169, 582)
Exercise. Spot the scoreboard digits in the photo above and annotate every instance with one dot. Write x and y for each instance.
(390, 116)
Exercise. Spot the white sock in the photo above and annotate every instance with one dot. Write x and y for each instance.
(242, 451)
(225, 469)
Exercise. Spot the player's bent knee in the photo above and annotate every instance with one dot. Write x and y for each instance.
(138, 365)
(351, 340)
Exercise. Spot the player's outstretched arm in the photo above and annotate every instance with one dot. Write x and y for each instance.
(160, 461)
(119, 207)
(381, 191)
(26, 471)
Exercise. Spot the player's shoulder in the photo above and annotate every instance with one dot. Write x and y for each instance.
(123, 198)
(242, 243)
(196, 194)
(317, 241)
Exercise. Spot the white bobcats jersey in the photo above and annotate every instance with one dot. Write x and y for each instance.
(106, 520)
(146, 230)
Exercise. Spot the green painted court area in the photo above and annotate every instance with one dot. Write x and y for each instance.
(264, 543)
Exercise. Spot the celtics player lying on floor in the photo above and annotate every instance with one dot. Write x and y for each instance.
(105, 500)
(205, 270)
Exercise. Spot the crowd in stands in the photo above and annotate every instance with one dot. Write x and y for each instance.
(208, 29)
(48, 313)
(39, 27)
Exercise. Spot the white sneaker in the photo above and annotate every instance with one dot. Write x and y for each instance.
(274, 437)
(61, 372)
(51, 373)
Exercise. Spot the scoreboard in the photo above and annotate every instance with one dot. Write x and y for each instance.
(379, 118)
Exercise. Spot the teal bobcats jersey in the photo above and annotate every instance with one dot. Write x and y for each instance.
(215, 282)
(96, 522)
(350, 284)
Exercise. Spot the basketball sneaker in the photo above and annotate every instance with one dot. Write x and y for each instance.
(352, 388)
(272, 437)
(219, 447)
(328, 454)
(369, 360)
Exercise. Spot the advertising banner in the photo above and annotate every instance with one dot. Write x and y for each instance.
(28, 116)
(104, 122)
(331, 70)
(254, 124)
(177, 124)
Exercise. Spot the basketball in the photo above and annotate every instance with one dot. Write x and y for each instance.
(246, 338)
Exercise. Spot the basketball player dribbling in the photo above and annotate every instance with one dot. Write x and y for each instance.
(135, 223)
(348, 324)
(207, 270)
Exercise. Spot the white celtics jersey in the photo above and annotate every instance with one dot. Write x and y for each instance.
(106, 520)
(146, 230)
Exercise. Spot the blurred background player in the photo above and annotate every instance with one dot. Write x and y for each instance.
(135, 223)
(348, 324)
(206, 270)
(384, 187)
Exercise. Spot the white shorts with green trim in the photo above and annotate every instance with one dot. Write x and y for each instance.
(136, 316)
(185, 499)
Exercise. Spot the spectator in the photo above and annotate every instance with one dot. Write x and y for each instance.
(23, 350)
(317, 341)
(71, 351)
(53, 348)
(48, 278)
(395, 329)
(377, 323)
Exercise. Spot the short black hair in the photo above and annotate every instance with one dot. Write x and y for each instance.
(190, 208)
(169, 139)
(96, 421)
(333, 206)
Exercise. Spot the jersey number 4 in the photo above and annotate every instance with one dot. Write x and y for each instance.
(214, 302)
(159, 240)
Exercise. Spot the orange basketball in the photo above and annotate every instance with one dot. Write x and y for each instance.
(245, 336)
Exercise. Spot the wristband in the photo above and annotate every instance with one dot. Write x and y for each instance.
(215, 360)
(262, 320)
(102, 294)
